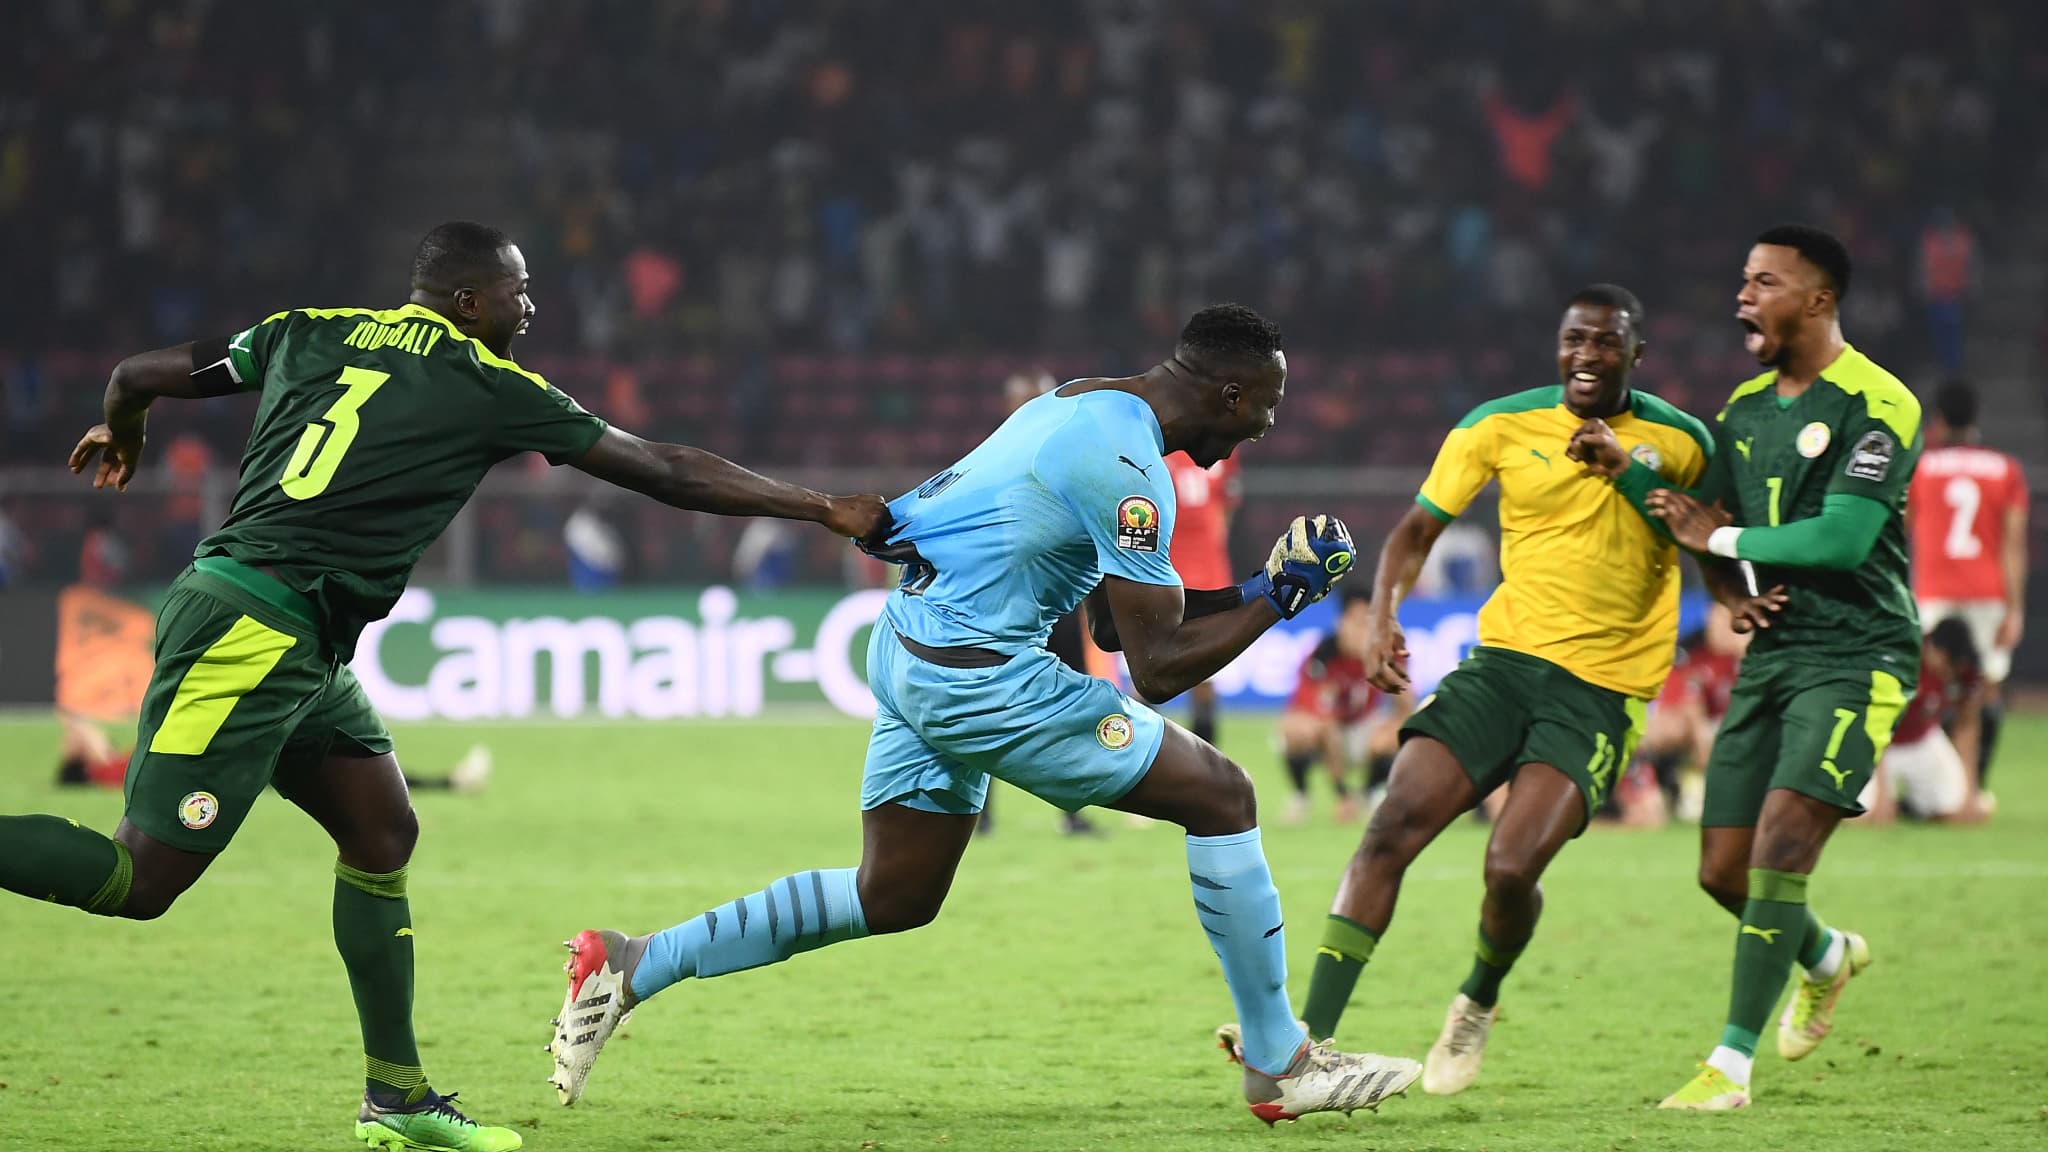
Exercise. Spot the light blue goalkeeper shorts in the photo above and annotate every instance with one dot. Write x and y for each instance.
(940, 733)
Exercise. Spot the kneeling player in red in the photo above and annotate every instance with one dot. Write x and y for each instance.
(1333, 716)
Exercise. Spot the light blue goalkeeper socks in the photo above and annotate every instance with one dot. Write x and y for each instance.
(794, 914)
(1240, 909)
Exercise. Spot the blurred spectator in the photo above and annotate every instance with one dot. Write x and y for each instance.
(1464, 562)
(103, 558)
(1948, 274)
(10, 550)
(597, 553)
(765, 557)
(185, 463)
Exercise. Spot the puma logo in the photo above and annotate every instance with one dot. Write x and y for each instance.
(1540, 456)
(1143, 470)
(1840, 777)
(1742, 446)
(1332, 953)
(401, 932)
(1770, 935)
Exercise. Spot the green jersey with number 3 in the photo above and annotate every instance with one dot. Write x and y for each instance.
(373, 430)
(1856, 431)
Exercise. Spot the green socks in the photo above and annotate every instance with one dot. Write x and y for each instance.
(1774, 925)
(1814, 942)
(1490, 966)
(1346, 946)
(373, 932)
(51, 858)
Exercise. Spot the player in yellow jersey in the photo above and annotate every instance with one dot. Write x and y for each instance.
(1577, 637)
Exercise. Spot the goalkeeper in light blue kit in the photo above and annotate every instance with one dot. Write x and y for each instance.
(1070, 498)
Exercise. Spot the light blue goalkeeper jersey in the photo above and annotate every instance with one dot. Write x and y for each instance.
(1070, 489)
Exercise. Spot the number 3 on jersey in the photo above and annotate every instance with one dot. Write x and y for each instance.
(326, 440)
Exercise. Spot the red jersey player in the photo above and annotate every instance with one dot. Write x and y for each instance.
(1203, 500)
(1967, 510)
(1926, 771)
(1329, 717)
(1682, 723)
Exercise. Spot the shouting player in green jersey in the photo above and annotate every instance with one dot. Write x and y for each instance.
(1806, 496)
(373, 429)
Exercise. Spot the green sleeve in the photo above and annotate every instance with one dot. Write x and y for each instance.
(1718, 485)
(535, 416)
(1636, 484)
(1640, 480)
(1840, 538)
(249, 350)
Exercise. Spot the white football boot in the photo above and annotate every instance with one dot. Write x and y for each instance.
(1321, 1079)
(598, 1002)
(1453, 1062)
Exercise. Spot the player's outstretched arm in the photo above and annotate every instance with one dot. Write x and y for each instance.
(699, 481)
(1401, 559)
(188, 371)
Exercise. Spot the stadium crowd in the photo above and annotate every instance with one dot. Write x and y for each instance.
(792, 231)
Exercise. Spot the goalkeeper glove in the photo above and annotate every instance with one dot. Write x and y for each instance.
(1313, 554)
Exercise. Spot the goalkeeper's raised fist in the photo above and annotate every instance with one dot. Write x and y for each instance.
(1313, 554)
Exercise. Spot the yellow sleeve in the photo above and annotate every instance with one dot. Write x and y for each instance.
(1463, 467)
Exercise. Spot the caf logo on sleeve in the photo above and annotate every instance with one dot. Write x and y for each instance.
(1872, 457)
(1137, 524)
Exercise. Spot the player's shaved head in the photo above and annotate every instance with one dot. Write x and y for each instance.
(1229, 375)
(1223, 338)
(475, 276)
(459, 254)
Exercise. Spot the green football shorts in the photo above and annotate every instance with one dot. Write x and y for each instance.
(245, 692)
(1499, 710)
(1815, 729)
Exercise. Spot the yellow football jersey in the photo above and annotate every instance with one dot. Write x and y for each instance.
(1586, 583)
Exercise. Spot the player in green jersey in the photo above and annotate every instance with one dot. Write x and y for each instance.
(372, 430)
(1806, 496)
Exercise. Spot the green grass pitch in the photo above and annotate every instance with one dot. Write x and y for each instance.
(1064, 1000)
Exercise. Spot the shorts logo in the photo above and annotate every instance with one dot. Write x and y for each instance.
(1114, 733)
(1648, 456)
(1813, 439)
(197, 810)
(1872, 457)
(1137, 524)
